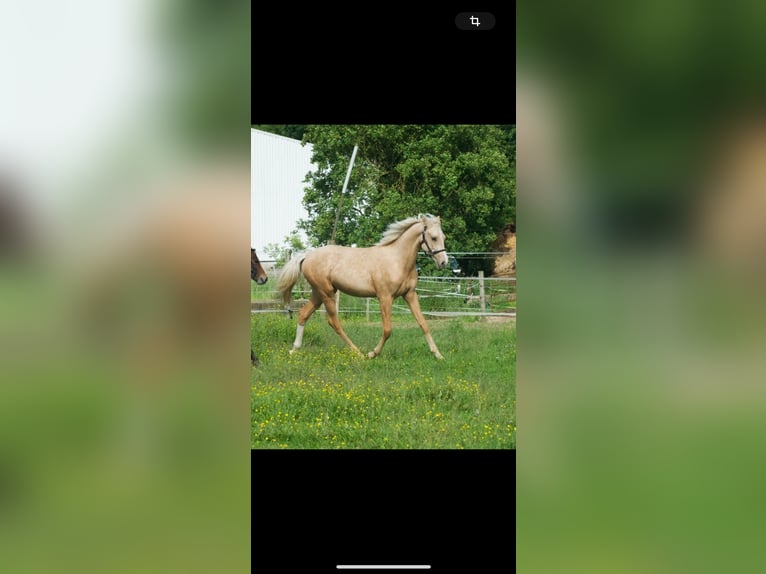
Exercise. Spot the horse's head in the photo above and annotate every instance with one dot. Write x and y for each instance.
(432, 240)
(257, 273)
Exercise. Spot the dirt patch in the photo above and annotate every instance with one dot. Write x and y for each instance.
(498, 319)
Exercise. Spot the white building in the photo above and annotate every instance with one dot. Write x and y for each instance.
(278, 171)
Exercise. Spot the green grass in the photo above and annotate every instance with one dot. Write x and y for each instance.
(324, 396)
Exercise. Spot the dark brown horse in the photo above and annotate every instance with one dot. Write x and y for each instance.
(258, 275)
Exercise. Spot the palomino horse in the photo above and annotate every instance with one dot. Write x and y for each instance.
(386, 271)
(258, 275)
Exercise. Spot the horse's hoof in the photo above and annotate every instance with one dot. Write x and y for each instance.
(293, 350)
(439, 356)
(371, 355)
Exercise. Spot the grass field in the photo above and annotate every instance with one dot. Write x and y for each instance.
(324, 396)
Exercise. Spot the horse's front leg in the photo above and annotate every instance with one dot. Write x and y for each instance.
(412, 301)
(385, 313)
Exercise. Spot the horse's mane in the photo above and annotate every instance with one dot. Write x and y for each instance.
(396, 229)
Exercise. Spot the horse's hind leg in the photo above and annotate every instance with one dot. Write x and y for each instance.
(385, 314)
(332, 318)
(305, 313)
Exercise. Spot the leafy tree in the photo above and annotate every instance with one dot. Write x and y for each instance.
(464, 173)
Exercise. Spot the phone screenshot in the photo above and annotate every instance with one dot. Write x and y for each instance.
(383, 289)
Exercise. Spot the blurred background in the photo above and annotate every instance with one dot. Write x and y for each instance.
(124, 223)
(642, 203)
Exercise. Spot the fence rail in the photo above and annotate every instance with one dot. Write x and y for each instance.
(439, 297)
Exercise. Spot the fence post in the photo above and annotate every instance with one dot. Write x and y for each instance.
(367, 311)
(482, 300)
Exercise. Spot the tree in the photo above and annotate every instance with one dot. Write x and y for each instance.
(464, 173)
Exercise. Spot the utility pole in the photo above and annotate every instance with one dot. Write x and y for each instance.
(340, 199)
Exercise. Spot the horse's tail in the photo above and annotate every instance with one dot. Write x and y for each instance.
(289, 277)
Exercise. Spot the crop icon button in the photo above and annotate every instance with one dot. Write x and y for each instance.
(475, 21)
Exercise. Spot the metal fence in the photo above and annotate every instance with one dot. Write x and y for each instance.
(439, 296)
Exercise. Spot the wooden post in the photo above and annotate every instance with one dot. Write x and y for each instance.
(367, 312)
(482, 300)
